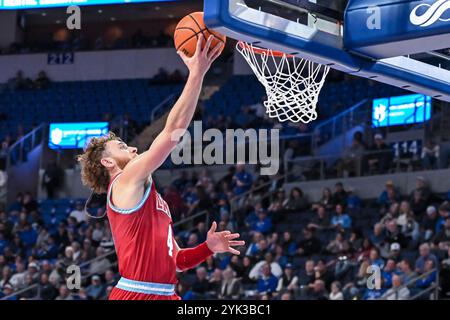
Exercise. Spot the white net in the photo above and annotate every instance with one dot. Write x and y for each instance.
(292, 84)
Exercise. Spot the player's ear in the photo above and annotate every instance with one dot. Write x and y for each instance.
(108, 162)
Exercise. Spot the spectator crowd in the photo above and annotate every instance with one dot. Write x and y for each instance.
(296, 249)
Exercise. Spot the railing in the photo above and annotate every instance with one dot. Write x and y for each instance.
(19, 150)
(434, 286)
(341, 123)
(160, 108)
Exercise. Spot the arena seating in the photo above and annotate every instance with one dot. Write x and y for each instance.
(81, 101)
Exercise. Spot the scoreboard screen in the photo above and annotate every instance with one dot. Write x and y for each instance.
(74, 135)
(36, 4)
(402, 110)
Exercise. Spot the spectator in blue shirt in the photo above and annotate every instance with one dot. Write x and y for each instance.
(28, 236)
(252, 217)
(267, 282)
(388, 196)
(341, 220)
(3, 242)
(8, 290)
(95, 290)
(425, 255)
(428, 280)
(378, 235)
(264, 223)
(242, 180)
(388, 272)
(443, 215)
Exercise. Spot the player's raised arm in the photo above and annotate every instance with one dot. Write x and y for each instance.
(179, 117)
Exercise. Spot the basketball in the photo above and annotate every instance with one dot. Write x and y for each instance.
(188, 30)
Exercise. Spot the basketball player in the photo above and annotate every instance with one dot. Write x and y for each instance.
(140, 219)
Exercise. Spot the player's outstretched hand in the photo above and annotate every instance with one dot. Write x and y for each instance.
(222, 241)
(202, 59)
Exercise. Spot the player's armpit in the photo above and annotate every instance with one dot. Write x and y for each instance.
(190, 258)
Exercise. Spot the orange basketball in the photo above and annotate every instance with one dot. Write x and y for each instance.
(188, 30)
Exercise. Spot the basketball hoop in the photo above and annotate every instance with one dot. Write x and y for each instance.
(292, 84)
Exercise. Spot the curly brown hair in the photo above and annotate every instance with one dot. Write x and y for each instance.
(93, 173)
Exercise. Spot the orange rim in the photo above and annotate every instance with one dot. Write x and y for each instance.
(257, 50)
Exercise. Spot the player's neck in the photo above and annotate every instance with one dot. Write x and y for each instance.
(114, 172)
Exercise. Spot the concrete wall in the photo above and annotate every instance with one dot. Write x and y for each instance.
(371, 187)
(9, 30)
(95, 65)
(24, 176)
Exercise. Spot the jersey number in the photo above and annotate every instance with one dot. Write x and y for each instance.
(170, 241)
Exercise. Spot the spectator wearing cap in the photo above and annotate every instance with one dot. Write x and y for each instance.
(341, 220)
(388, 196)
(397, 292)
(78, 213)
(336, 292)
(33, 271)
(288, 281)
(442, 239)
(395, 253)
(95, 289)
(267, 282)
(429, 223)
(380, 155)
(425, 255)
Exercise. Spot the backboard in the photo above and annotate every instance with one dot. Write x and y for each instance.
(376, 39)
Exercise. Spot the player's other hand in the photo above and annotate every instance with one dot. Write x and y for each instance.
(222, 241)
(202, 59)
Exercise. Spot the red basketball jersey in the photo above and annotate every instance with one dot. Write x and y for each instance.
(143, 238)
